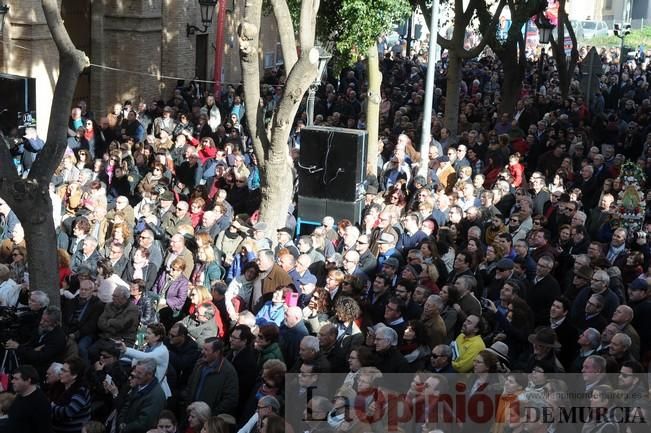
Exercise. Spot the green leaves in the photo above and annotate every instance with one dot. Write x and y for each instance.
(355, 25)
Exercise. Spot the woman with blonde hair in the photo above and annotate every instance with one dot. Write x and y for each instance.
(207, 269)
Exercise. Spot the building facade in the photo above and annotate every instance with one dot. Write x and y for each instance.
(138, 50)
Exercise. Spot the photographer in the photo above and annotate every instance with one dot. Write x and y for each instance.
(47, 346)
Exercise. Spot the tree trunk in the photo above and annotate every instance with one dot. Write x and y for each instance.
(29, 198)
(270, 147)
(452, 93)
(513, 83)
(373, 110)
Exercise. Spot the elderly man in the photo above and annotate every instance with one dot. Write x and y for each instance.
(594, 372)
(87, 256)
(434, 324)
(544, 291)
(47, 347)
(179, 250)
(144, 400)
(599, 285)
(284, 237)
(588, 341)
(622, 317)
(172, 220)
(292, 331)
(617, 252)
(309, 352)
(619, 348)
(388, 357)
(271, 274)
(120, 318)
(441, 359)
(80, 315)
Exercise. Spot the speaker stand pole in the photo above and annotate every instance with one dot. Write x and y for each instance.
(311, 95)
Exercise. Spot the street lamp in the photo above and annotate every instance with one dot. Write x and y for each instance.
(545, 28)
(324, 58)
(4, 10)
(621, 31)
(207, 7)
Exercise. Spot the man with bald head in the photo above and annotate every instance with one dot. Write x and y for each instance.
(177, 249)
(292, 331)
(622, 317)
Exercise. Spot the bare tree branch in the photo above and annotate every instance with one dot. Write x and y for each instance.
(307, 31)
(249, 40)
(286, 33)
(71, 63)
(299, 79)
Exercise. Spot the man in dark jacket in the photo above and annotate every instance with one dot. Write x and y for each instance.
(80, 316)
(544, 291)
(389, 359)
(138, 409)
(292, 331)
(184, 353)
(567, 334)
(30, 411)
(244, 358)
(47, 347)
(214, 380)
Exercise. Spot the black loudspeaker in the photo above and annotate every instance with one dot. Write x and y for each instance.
(332, 162)
(332, 166)
(314, 209)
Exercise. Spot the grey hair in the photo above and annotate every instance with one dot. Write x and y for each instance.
(602, 275)
(54, 313)
(56, 368)
(469, 282)
(599, 361)
(626, 339)
(122, 291)
(267, 253)
(201, 410)
(270, 400)
(91, 239)
(388, 333)
(149, 365)
(445, 350)
(436, 300)
(593, 336)
(41, 298)
(311, 342)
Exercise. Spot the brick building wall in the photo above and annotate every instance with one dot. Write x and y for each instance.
(134, 35)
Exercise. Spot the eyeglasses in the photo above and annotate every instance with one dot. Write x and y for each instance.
(434, 356)
(263, 407)
(16, 254)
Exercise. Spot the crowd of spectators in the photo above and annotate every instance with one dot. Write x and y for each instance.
(178, 313)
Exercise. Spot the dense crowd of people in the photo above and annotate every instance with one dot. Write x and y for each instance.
(179, 314)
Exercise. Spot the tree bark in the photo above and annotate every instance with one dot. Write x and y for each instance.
(373, 110)
(29, 198)
(270, 146)
(453, 79)
(564, 65)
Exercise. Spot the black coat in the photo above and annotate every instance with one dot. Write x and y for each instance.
(183, 359)
(568, 336)
(86, 323)
(246, 364)
(391, 361)
(541, 297)
(150, 272)
(51, 347)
